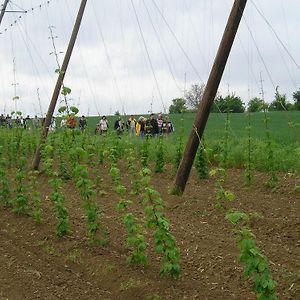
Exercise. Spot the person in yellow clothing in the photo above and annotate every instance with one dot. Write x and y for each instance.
(131, 124)
(140, 127)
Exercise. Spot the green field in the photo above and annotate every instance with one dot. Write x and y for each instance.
(284, 126)
(284, 134)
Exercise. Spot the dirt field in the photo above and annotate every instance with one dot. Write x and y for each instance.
(35, 264)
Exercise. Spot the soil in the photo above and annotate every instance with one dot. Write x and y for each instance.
(36, 264)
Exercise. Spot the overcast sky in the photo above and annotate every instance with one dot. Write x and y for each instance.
(135, 56)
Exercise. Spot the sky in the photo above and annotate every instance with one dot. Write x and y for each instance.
(135, 56)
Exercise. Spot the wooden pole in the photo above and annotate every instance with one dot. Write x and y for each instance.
(3, 10)
(58, 85)
(209, 96)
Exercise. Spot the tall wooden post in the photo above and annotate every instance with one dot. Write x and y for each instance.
(3, 10)
(58, 85)
(209, 95)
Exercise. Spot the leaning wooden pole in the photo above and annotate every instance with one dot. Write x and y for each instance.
(3, 10)
(209, 96)
(58, 85)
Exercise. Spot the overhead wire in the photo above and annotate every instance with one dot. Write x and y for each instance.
(177, 40)
(148, 56)
(162, 47)
(108, 57)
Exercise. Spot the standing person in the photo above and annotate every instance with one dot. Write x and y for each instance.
(167, 126)
(82, 123)
(71, 122)
(154, 125)
(18, 122)
(131, 123)
(2, 120)
(36, 122)
(140, 127)
(103, 124)
(160, 123)
(9, 122)
(119, 127)
(26, 122)
(52, 126)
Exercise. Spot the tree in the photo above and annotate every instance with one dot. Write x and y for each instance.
(178, 106)
(230, 103)
(194, 95)
(255, 105)
(279, 102)
(296, 97)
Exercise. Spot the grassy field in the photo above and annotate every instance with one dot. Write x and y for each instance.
(284, 135)
(284, 126)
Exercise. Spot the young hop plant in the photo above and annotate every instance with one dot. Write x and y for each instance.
(164, 241)
(201, 163)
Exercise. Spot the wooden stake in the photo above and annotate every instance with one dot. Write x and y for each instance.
(3, 10)
(209, 96)
(58, 85)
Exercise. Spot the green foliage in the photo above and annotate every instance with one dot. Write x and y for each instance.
(230, 103)
(256, 266)
(135, 240)
(144, 153)
(279, 102)
(221, 193)
(201, 162)
(178, 106)
(35, 196)
(248, 163)
(164, 241)
(255, 105)
(160, 157)
(57, 196)
(235, 216)
(178, 148)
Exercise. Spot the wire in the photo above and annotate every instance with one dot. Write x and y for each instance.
(148, 55)
(176, 39)
(161, 46)
(276, 35)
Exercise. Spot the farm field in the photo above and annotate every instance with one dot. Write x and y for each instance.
(68, 231)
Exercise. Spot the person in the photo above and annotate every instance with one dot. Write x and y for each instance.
(160, 123)
(82, 123)
(119, 127)
(140, 127)
(71, 121)
(18, 122)
(9, 122)
(52, 126)
(2, 121)
(97, 129)
(131, 123)
(154, 125)
(103, 125)
(63, 123)
(26, 122)
(167, 126)
(36, 122)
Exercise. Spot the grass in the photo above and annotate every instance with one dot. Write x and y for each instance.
(285, 126)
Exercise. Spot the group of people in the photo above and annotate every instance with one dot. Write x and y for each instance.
(135, 127)
(9, 121)
(152, 126)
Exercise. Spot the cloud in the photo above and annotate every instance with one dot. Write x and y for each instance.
(110, 65)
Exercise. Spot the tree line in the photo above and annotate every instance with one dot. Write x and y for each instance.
(233, 103)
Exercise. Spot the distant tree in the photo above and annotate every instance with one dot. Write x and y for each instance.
(194, 95)
(296, 97)
(256, 105)
(117, 113)
(231, 103)
(279, 102)
(178, 106)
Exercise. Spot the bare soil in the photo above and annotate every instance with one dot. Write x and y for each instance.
(36, 264)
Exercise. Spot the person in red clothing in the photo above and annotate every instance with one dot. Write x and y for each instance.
(71, 122)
